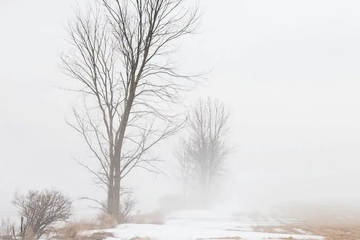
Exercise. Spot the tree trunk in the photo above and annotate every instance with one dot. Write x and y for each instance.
(117, 189)
(116, 174)
(110, 192)
(110, 201)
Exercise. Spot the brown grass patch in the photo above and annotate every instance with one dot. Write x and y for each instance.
(331, 222)
(105, 221)
(339, 231)
(72, 230)
(335, 231)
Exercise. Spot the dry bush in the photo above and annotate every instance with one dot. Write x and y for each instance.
(72, 229)
(105, 221)
(6, 229)
(156, 217)
(41, 209)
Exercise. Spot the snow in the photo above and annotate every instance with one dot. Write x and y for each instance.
(193, 225)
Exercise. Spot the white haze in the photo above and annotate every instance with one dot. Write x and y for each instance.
(287, 69)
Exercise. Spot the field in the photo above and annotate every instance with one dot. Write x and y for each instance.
(303, 223)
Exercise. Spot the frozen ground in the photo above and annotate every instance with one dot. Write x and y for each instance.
(195, 225)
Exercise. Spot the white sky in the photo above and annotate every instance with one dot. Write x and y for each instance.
(288, 69)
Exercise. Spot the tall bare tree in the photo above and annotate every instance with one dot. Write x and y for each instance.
(121, 57)
(203, 153)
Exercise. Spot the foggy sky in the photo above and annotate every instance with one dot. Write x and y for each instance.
(287, 69)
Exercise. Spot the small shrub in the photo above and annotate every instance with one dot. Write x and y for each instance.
(104, 221)
(40, 210)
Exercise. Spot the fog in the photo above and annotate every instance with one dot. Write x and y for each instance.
(288, 71)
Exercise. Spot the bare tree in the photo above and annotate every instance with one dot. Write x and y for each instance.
(41, 209)
(202, 154)
(121, 59)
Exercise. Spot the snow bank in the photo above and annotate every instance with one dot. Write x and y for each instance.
(193, 225)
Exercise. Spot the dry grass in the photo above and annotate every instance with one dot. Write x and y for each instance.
(105, 221)
(333, 231)
(331, 222)
(72, 230)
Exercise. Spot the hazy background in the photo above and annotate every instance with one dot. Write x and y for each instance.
(288, 70)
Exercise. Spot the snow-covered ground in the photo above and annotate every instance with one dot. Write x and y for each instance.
(193, 225)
